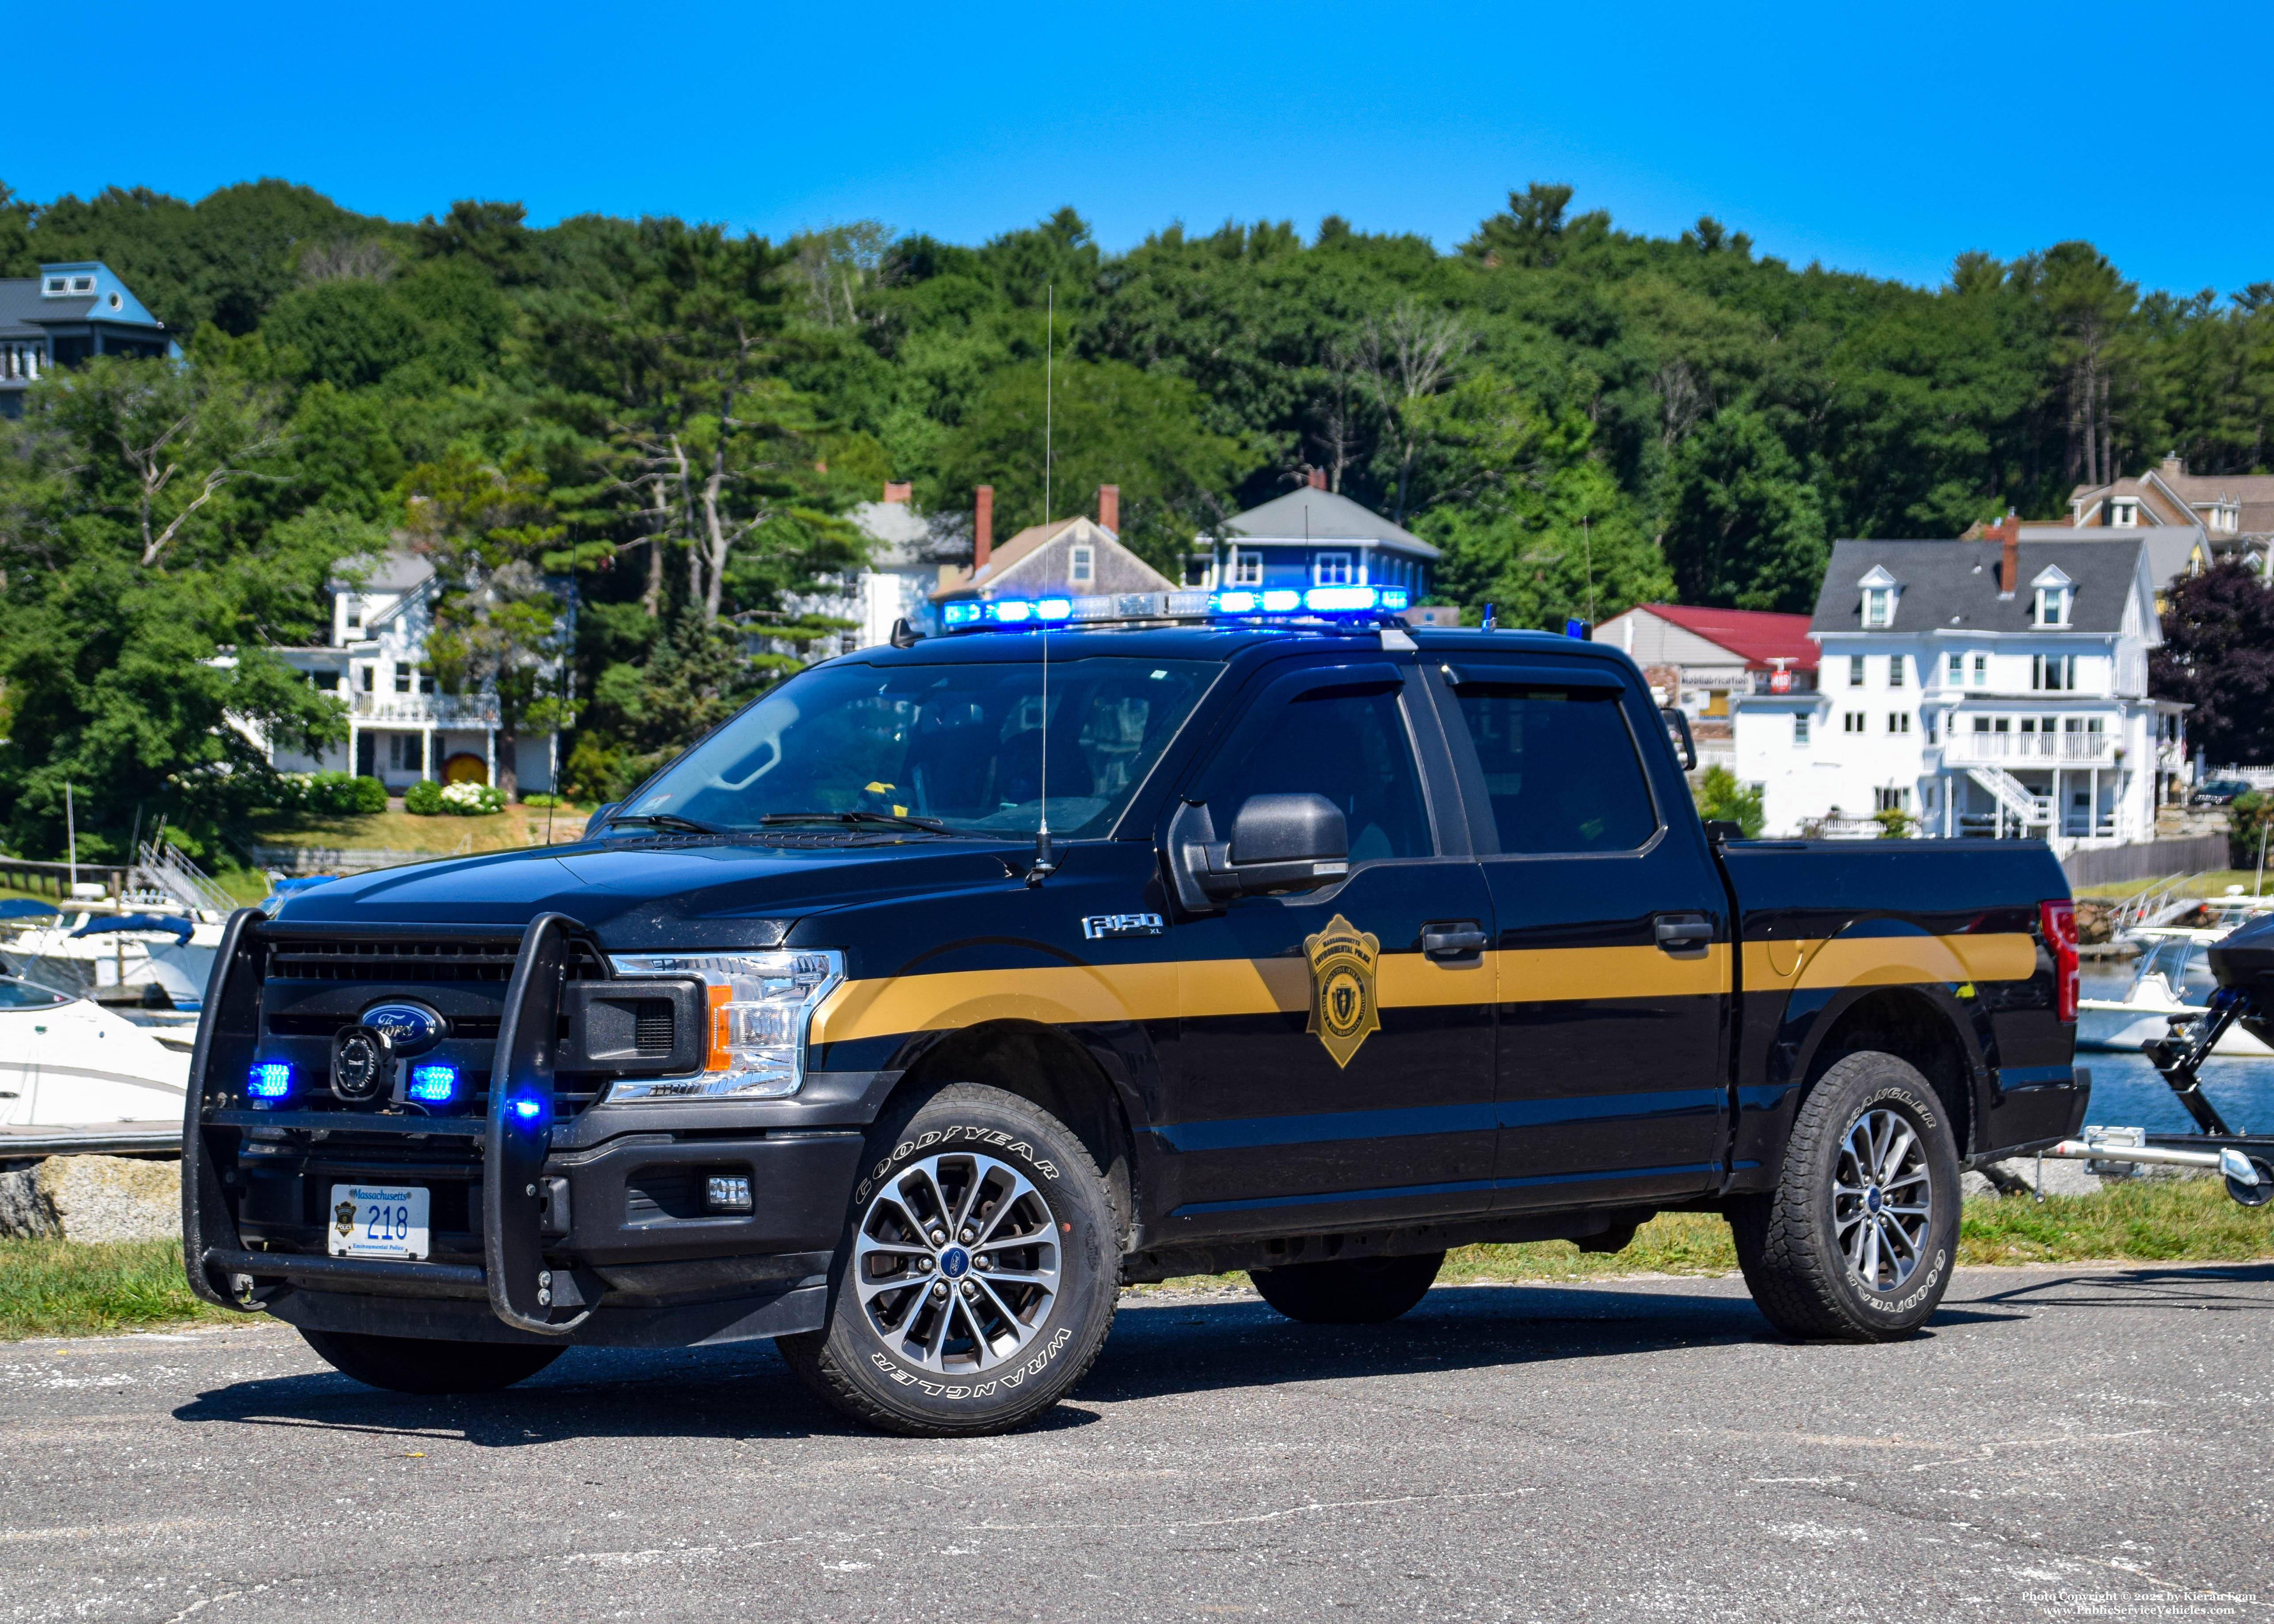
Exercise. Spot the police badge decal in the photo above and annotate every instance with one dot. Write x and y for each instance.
(1343, 1010)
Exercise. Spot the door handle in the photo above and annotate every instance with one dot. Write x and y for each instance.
(1682, 933)
(1454, 939)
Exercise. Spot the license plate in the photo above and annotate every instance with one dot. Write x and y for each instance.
(377, 1221)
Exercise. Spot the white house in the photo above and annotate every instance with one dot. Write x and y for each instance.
(400, 729)
(1981, 687)
(896, 581)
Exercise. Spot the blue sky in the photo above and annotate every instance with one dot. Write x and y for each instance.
(1877, 138)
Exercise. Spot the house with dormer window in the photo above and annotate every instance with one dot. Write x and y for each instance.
(67, 314)
(401, 728)
(1311, 536)
(1979, 688)
(2200, 519)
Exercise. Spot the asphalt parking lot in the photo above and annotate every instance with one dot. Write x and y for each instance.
(2064, 1443)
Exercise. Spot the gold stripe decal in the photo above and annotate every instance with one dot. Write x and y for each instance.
(1067, 995)
(1888, 961)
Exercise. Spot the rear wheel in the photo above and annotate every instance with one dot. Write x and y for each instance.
(1350, 1292)
(420, 1364)
(978, 1275)
(1856, 1241)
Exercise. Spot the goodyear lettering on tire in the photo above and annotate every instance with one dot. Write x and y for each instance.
(994, 1138)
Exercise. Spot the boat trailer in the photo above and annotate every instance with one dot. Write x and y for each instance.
(2245, 1159)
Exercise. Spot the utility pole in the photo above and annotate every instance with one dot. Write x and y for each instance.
(70, 838)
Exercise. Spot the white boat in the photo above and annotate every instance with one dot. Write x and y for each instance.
(2172, 978)
(65, 1061)
(56, 954)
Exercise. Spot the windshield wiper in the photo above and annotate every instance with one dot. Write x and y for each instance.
(670, 820)
(889, 820)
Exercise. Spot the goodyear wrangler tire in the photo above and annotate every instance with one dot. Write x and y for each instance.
(423, 1365)
(1856, 1242)
(978, 1274)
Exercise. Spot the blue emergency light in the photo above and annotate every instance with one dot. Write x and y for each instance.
(434, 1083)
(1364, 603)
(270, 1080)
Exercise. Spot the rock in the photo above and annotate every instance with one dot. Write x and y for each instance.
(25, 1213)
(2018, 1176)
(94, 1198)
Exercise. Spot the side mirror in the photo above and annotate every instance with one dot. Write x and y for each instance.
(1279, 844)
(600, 816)
(1677, 734)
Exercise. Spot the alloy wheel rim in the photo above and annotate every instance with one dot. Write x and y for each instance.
(1882, 1200)
(956, 1263)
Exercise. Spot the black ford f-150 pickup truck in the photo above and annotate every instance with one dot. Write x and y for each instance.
(1346, 944)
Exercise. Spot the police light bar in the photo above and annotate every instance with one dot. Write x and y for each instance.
(1364, 603)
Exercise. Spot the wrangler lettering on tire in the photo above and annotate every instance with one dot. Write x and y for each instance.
(979, 1273)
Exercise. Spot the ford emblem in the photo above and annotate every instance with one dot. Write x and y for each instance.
(413, 1028)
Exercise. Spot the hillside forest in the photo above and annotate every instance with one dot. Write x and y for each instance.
(667, 421)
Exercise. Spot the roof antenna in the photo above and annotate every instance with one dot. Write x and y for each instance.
(1044, 865)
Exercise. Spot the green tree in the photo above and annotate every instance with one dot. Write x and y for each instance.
(1110, 424)
(497, 624)
(140, 589)
(1743, 528)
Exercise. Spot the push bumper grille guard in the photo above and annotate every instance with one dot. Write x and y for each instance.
(515, 1138)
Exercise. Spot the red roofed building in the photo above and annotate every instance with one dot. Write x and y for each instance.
(1698, 658)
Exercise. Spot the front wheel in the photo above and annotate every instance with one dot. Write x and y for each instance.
(978, 1275)
(1349, 1291)
(1856, 1242)
(420, 1364)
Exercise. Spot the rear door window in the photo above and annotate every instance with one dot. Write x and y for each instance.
(1559, 768)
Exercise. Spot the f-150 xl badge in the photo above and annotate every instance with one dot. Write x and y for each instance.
(1098, 927)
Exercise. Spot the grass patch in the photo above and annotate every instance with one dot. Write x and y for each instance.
(79, 1289)
(2147, 1221)
(397, 831)
(2211, 884)
(71, 1288)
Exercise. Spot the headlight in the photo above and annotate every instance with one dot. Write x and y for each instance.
(760, 1005)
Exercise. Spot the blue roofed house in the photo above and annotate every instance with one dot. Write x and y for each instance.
(67, 314)
(1312, 536)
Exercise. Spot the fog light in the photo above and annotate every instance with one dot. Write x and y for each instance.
(728, 1193)
(435, 1083)
(271, 1079)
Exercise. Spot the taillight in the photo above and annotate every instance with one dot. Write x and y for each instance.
(2057, 921)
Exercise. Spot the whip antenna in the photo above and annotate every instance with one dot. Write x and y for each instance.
(1044, 865)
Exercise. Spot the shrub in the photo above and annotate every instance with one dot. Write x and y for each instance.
(331, 794)
(472, 800)
(2247, 818)
(423, 799)
(1720, 795)
(540, 799)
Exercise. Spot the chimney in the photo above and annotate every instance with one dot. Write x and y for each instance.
(898, 490)
(1109, 508)
(982, 526)
(2174, 463)
(2008, 531)
(1318, 479)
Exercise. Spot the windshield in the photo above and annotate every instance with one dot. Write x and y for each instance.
(957, 745)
